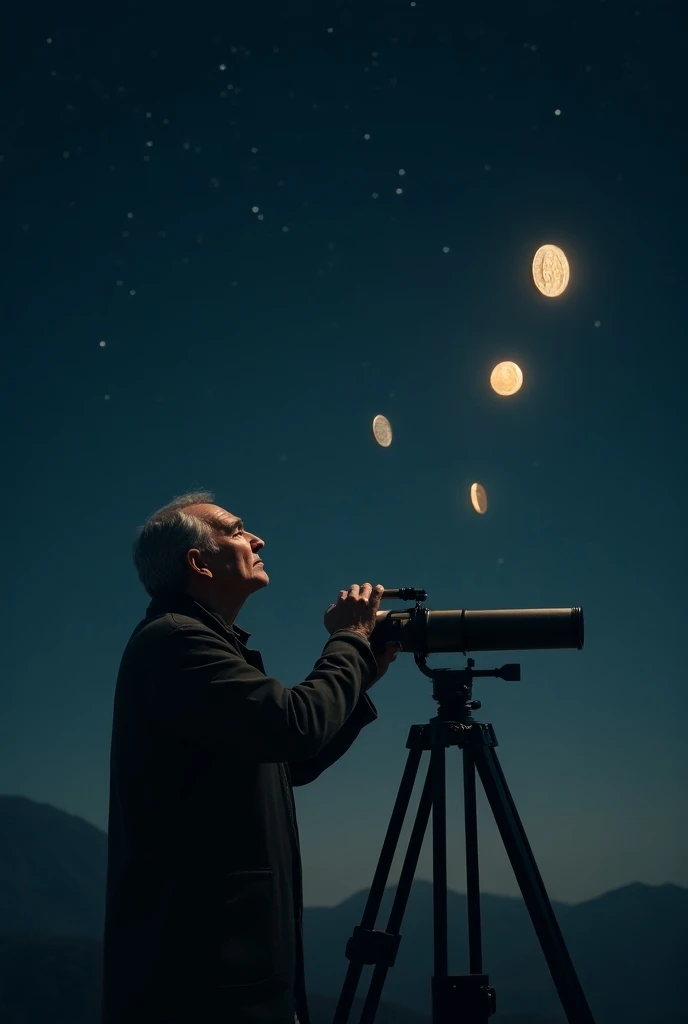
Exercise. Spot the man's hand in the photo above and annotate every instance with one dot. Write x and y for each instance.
(356, 609)
(384, 659)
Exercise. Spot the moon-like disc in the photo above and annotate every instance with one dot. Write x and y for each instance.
(382, 431)
(550, 270)
(506, 378)
(478, 498)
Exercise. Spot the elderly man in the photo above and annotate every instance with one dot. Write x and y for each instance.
(204, 904)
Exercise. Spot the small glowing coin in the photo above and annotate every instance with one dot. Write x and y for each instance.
(550, 270)
(506, 378)
(382, 431)
(478, 498)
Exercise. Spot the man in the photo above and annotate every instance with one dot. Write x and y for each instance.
(204, 903)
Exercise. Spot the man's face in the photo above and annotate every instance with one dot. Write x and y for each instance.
(236, 570)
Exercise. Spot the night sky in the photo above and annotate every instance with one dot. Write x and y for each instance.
(161, 335)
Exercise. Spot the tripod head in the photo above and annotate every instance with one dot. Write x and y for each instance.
(452, 688)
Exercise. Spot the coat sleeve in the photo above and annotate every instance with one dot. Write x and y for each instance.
(303, 772)
(207, 693)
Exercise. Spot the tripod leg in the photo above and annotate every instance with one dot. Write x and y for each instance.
(532, 887)
(402, 894)
(439, 856)
(475, 950)
(372, 907)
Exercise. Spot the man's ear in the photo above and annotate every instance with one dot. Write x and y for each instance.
(195, 563)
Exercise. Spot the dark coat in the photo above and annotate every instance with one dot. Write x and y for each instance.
(204, 903)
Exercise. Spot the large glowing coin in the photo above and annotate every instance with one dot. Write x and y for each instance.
(478, 498)
(506, 378)
(382, 431)
(550, 270)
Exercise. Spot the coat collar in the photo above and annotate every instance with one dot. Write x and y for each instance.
(186, 605)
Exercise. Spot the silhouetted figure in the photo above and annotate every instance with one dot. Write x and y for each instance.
(204, 898)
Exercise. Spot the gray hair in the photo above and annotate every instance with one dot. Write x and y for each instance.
(163, 540)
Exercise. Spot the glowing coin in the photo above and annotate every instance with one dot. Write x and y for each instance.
(506, 378)
(478, 498)
(550, 271)
(382, 431)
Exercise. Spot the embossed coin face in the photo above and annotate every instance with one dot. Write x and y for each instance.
(506, 378)
(478, 498)
(550, 270)
(382, 431)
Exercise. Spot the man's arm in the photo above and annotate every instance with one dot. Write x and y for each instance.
(303, 772)
(206, 692)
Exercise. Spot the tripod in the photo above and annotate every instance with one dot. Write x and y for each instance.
(457, 998)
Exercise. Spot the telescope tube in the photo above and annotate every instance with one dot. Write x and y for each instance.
(506, 629)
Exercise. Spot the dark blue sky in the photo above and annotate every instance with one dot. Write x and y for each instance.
(249, 357)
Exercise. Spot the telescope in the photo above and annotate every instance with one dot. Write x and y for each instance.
(422, 631)
(465, 998)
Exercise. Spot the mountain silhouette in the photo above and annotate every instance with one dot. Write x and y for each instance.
(628, 946)
(52, 870)
(48, 979)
